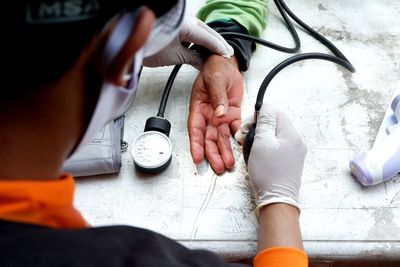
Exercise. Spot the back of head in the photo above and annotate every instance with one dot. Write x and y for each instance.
(43, 38)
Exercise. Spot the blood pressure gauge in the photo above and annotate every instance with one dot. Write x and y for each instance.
(152, 149)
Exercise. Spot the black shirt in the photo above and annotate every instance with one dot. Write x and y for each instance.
(32, 245)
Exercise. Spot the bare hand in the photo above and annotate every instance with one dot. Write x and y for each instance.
(215, 112)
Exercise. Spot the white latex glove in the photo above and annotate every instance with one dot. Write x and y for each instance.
(192, 31)
(247, 123)
(276, 158)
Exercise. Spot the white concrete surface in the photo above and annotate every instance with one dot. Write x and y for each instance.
(337, 113)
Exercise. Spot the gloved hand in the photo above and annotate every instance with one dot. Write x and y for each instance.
(192, 31)
(276, 159)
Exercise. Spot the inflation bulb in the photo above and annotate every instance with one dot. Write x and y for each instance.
(248, 142)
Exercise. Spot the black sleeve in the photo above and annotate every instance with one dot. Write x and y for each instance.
(243, 48)
(116, 246)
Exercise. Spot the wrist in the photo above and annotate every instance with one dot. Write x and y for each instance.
(281, 207)
(232, 60)
(243, 49)
(266, 198)
(279, 227)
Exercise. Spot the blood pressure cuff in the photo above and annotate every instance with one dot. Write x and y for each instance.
(102, 155)
(243, 48)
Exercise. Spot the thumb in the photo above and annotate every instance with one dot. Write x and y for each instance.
(266, 124)
(217, 87)
(285, 129)
(188, 56)
(244, 129)
(195, 31)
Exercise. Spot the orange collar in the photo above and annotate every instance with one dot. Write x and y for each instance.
(46, 203)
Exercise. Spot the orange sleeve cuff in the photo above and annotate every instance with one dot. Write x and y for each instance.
(281, 257)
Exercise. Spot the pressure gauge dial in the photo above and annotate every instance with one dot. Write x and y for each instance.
(152, 151)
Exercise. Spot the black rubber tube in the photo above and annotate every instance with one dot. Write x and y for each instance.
(292, 60)
(167, 90)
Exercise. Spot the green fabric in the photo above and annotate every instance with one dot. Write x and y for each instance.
(249, 13)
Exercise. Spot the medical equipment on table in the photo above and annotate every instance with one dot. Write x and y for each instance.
(152, 149)
(338, 58)
(102, 154)
(382, 161)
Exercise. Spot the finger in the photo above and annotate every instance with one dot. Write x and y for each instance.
(235, 126)
(211, 150)
(240, 128)
(240, 137)
(265, 132)
(188, 56)
(212, 32)
(246, 124)
(196, 128)
(197, 145)
(285, 129)
(216, 86)
(181, 55)
(266, 121)
(197, 32)
(224, 146)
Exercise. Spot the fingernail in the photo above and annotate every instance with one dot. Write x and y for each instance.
(220, 111)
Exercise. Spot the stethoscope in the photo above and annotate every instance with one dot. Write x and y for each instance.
(152, 150)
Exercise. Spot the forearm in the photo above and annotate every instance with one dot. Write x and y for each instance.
(279, 227)
(275, 167)
(250, 14)
(239, 16)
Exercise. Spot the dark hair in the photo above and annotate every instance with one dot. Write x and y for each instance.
(43, 38)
